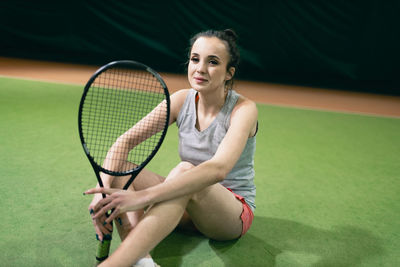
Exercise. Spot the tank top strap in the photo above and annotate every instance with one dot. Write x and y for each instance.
(230, 102)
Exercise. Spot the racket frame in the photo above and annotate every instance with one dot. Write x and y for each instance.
(126, 64)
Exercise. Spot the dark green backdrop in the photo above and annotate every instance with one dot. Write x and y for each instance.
(342, 44)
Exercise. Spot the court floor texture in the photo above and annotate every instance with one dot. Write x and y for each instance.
(327, 174)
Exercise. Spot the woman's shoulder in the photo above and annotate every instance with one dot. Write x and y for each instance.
(179, 96)
(244, 104)
(246, 111)
(177, 100)
(181, 93)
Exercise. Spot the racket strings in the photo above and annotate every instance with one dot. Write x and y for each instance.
(117, 100)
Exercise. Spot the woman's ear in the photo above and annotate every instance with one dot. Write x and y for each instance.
(230, 73)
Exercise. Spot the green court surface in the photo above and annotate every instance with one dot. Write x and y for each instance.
(328, 188)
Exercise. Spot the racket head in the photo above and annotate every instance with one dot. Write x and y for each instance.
(117, 97)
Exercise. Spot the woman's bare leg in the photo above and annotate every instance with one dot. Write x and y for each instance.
(127, 221)
(158, 222)
(162, 218)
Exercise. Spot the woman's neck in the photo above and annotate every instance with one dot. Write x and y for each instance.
(211, 104)
(207, 109)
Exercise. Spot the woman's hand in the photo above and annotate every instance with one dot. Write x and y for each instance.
(118, 201)
(98, 223)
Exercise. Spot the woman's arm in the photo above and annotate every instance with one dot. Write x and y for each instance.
(243, 123)
(116, 157)
(120, 150)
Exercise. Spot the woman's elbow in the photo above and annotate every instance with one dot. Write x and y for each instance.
(215, 170)
(221, 171)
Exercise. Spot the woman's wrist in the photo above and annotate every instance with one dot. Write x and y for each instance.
(150, 196)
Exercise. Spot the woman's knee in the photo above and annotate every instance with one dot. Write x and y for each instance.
(182, 167)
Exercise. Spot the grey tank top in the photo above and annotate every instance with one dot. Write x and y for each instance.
(198, 146)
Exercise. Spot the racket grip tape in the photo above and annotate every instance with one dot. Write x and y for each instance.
(103, 248)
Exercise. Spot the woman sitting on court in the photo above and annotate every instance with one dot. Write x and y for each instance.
(212, 190)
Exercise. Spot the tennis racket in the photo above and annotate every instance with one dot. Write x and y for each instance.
(123, 119)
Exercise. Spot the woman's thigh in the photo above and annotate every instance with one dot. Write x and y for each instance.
(216, 212)
(145, 179)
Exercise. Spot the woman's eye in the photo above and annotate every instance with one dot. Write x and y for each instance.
(213, 62)
(194, 59)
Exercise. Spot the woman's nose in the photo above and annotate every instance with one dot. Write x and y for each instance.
(201, 67)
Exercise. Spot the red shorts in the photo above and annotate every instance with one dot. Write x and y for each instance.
(247, 215)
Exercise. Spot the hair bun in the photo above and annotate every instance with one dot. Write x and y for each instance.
(231, 34)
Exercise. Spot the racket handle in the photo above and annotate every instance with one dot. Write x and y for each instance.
(103, 248)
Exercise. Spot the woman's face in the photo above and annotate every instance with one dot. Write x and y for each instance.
(207, 65)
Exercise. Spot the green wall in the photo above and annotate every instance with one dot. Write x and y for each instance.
(352, 45)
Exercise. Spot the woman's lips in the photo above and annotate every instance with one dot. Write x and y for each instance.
(200, 79)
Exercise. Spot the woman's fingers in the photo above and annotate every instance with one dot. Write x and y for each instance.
(99, 232)
(110, 203)
(112, 216)
(98, 211)
(108, 206)
(100, 226)
(101, 204)
(117, 200)
(101, 190)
